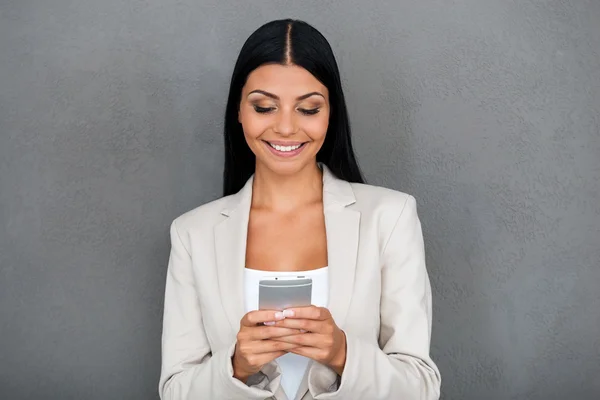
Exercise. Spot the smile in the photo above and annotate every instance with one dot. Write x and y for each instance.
(283, 150)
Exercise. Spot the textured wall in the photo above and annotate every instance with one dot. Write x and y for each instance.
(486, 110)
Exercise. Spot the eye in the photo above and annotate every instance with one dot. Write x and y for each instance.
(263, 110)
(309, 112)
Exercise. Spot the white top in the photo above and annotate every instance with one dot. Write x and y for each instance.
(293, 366)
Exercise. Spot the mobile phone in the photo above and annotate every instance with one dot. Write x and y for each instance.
(279, 293)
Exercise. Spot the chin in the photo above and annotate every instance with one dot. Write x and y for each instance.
(287, 168)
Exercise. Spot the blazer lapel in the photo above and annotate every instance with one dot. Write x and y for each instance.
(230, 241)
(342, 226)
(342, 229)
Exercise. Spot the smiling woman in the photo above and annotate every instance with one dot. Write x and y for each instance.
(286, 74)
(296, 207)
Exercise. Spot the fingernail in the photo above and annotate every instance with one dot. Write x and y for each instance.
(270, 323)
(288, 313)
(279, 315)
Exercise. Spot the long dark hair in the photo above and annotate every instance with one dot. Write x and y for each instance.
(287, 42)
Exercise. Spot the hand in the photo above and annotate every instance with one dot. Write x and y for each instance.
(255, 347)
(319, 338)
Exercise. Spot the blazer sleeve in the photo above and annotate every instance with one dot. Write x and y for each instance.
(190, 370)
(400, 367)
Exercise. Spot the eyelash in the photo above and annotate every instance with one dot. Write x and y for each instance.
(265, 110)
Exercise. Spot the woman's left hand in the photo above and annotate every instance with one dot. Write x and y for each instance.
(321, 339)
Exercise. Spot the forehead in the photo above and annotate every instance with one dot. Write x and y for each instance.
(284, 81)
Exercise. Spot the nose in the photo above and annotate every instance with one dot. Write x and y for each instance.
(285, 123)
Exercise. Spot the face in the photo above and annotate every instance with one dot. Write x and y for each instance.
(284, 112)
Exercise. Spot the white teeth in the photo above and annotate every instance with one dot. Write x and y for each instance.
(285, 148)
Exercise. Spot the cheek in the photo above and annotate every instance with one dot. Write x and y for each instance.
(253, 125)
(316, 127)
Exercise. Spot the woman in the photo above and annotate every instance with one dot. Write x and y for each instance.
(295, 201)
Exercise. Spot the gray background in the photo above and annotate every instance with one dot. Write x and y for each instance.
(486, 110)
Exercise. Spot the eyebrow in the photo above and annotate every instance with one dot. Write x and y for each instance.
(299, 98)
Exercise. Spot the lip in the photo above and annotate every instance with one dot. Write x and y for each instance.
(283, 143)
(285, 154)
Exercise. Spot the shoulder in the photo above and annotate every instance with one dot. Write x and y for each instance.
(205, 215)
(383, 200)
(387, 211)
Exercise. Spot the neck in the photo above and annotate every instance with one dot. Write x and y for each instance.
(285, 193)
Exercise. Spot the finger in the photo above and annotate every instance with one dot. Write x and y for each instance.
(309, 339)
(264, 358)
(267, 332)
(310, 352)
(308, 325)
(260, 316)
(310, 312)
(265, 346)
(256, 361)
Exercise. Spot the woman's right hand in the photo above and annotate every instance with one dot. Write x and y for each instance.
(254, 347)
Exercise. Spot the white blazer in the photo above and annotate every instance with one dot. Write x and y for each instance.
(379, 295)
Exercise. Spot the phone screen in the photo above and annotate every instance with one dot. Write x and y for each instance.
(283, 292)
